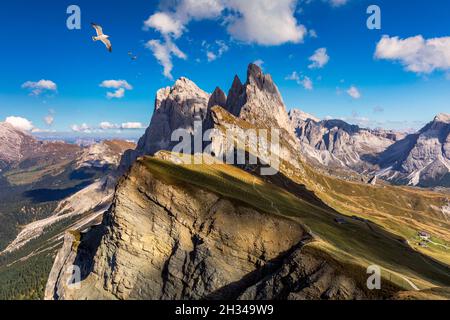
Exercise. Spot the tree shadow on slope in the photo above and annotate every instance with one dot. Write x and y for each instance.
(47, 195)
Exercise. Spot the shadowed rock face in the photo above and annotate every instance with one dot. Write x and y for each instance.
(236, 97)
(218, 98)
(161, 241)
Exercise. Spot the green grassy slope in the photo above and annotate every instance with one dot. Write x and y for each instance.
(355, 242)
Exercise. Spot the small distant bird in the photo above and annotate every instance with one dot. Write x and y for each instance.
(132, 56)
(101, 37)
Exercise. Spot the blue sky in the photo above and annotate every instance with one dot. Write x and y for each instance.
(400, 89)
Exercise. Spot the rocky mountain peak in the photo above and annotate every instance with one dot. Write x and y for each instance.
(185, 84)
(297, 116)
(218, 98)
(263, 82)
(258, 101)
(442, 117)
(236, 97)
(175, 107)
(13, 144)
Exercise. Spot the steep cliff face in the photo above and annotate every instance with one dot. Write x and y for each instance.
(162, 240)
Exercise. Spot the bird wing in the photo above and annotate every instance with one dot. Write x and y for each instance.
(98, 29)
(107, 44)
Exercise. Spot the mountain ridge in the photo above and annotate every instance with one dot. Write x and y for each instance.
(175, 229)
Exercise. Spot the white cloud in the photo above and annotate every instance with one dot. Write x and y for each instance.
(312, 33)
(263, 22)
(416, 54)
(132, 125)
(338, 3)
(49, 120)
(163, 52)
(199, 9)
(319, 59)
(301, 80)
(307, 83)
(354, 92)
(38, 130)
(105, 125)
(118, 94)
(40, 86)
(116, 84)
(259, 63)
(165, 24)
(293, 76)
(222, 47)
(358, 120)
(119, 85)
(81, 128)
(20, 123)
(211, 56)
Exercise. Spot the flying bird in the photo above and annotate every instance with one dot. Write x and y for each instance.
(101, 37)
(132, 56)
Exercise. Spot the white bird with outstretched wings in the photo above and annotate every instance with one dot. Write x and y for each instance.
(101, 36)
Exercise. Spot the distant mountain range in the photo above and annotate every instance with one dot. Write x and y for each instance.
(418, 159)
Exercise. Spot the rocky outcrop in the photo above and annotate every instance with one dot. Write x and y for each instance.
(107, 153)
(258, 101)
(177, 107)
(218, 98)
(14, 144)
(236, 97)
(168, 241)
(304, 276)
(297, 117)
